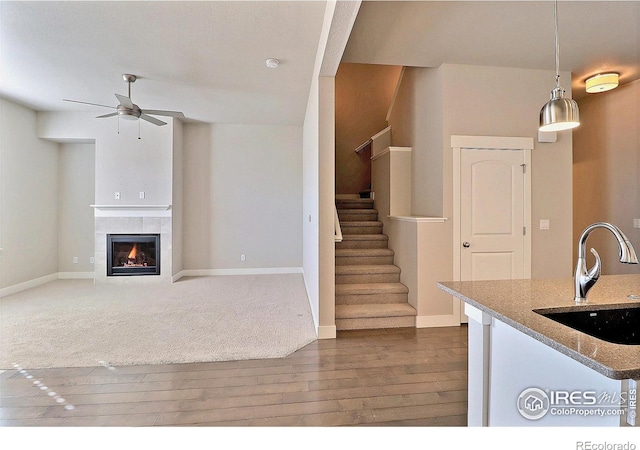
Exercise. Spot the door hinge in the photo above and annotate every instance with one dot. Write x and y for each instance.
(524, 231)
(524, 168)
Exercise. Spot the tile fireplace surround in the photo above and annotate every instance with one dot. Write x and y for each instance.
(132, 220)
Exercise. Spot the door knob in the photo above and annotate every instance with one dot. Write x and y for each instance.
(466, 244)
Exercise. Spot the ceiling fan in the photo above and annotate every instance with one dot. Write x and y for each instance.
(128, 110)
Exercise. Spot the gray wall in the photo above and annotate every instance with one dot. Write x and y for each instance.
(416, 121)
(76, 181)
(177, 196)
(363, 95)
(606, 165)
(234, 189)
(434, 104)
(496, 101)
(28, 198)
(242, 195)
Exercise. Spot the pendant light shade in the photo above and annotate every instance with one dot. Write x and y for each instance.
(559, 113)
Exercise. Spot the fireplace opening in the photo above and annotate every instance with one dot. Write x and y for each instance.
(133, 254)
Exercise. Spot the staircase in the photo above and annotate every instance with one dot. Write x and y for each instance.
(368, 289)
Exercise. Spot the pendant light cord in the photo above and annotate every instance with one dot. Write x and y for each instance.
(555, 18)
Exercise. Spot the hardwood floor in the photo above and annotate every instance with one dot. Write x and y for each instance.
(391, 377)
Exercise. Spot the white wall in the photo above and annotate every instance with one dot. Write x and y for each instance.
(76, 187)
(28, 198)
(310, 237)
(319, 166)
(318, 205)
(242, 195)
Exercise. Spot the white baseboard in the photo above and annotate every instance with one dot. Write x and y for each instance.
(327, 332)
(451, 320)
(177, 276)
(252, 271)
(314, 311)
(10, 290)
(76, 275)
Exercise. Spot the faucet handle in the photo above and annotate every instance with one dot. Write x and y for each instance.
(594, 272)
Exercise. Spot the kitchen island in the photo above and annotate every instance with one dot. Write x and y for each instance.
(526, 369)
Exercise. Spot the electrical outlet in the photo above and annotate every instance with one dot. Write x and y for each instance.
(92, 260)
(243, 257)
(75, 260)
(142, 194)
(544, 224)
(116, 195)
(636, 223)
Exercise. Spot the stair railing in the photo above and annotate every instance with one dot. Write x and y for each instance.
(364, 146)
(337, 231)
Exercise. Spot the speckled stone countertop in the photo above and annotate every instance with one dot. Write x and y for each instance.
(513, 302)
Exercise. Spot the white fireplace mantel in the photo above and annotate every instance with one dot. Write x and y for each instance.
(132, 210)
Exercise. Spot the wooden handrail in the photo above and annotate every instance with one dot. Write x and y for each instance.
(364, 146)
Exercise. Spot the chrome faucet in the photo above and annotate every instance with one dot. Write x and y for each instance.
(584, 280)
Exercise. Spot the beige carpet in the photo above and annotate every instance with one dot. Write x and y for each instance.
(74, 323)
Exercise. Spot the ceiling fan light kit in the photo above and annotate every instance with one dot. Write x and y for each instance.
(130, 111)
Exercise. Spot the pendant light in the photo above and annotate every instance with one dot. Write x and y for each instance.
(559, 113)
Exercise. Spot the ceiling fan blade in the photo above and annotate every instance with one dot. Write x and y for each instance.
(87, 103)
(160, 112)
(125, 101)
(153, 120)
(107, 115)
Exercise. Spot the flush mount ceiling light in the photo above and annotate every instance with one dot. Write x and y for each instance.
(602, 82)
(272, 63)
(559, 113)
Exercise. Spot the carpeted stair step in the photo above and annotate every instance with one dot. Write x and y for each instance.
(363, 241)
(354, 203)
(366, 256)
(376, 273)
(359, 317)
(371, 293)
(357, 215)
(363, 227)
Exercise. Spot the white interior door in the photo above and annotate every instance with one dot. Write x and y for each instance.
(492, 215)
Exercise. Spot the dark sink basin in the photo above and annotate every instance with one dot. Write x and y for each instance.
(619, 324)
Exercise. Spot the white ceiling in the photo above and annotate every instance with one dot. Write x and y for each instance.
(594, 36)
(204, 58)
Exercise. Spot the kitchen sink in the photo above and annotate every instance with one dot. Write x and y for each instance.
(619, 324)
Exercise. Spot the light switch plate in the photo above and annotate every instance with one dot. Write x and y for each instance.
(544, 224)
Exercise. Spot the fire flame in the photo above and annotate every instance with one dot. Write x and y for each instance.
(133, 252)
